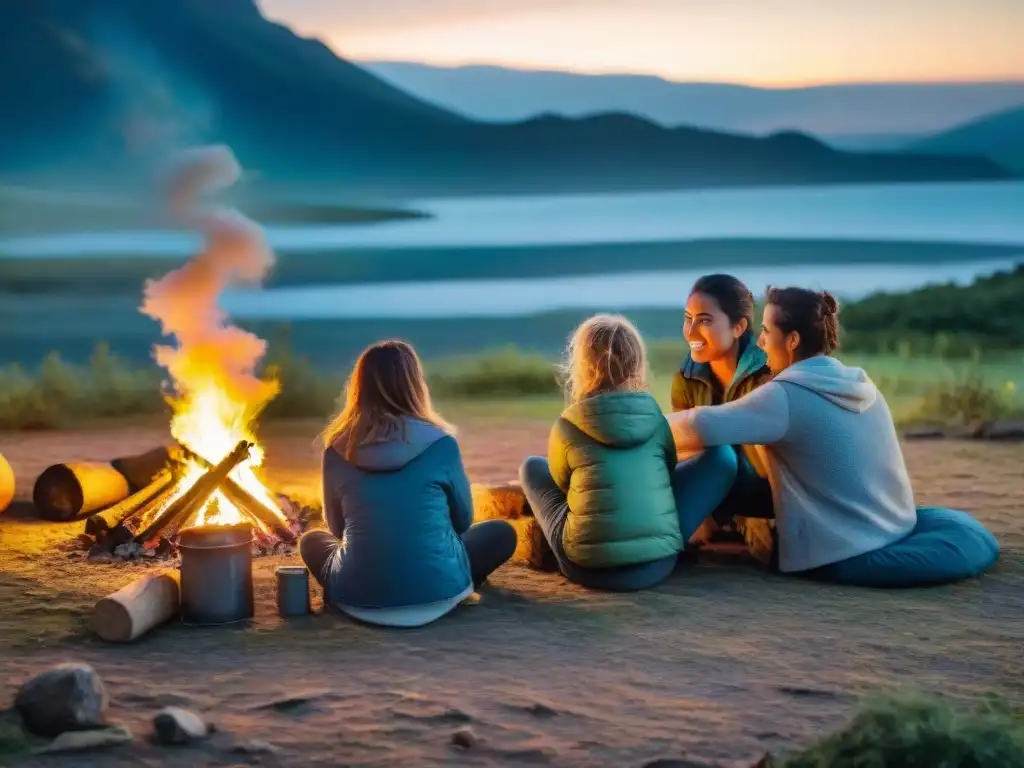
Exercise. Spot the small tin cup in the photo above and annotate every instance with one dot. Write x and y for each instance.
(293, 591)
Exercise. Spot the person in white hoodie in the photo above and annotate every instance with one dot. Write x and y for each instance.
(843, 502)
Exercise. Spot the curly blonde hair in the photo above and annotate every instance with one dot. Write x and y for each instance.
(605, 354)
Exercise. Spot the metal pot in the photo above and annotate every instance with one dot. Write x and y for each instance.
(216, 574)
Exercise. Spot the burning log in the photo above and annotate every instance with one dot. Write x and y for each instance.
(65, 492)
(246, 502)
(137, 608)
(127, 508)
(200, 492)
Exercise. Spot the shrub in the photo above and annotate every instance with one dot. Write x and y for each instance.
(966, 401)
(915, 731)
(506, 372)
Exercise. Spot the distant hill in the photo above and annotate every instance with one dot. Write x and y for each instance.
(102, 89)
(858, 114)
(999, 136)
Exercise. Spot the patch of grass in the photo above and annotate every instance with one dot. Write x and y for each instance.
(13, 739)
(917, 731)
(503, 381)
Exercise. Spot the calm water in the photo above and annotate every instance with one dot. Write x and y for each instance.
(971, 213)
(609, 292)
(990, 213)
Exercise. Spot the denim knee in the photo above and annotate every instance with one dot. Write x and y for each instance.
(533, 467)
(722, 460)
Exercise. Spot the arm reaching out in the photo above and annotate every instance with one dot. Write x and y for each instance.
(760, 418)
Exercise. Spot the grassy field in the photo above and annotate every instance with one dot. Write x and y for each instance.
(506, 382)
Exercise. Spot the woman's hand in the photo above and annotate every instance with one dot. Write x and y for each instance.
(688, 442)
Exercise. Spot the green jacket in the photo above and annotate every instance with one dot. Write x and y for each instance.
(693, 386)
(612, 456)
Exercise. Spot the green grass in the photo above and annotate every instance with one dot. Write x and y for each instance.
(916, 731)
(503, 382)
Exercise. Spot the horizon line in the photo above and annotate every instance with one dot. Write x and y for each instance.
(766, 85)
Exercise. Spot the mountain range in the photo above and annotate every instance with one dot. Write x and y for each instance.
(103, 89)
(875, 114)
(999, 136)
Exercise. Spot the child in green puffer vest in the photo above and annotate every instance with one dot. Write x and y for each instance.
(610, 498)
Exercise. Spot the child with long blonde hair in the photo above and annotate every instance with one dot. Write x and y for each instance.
(401, 549)
(610, 499)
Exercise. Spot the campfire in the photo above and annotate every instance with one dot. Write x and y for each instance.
(210, 476)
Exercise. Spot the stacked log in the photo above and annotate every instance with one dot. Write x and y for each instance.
(508, 502)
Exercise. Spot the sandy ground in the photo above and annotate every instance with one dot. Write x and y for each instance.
(718, 665)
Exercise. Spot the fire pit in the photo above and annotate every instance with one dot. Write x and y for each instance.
(210, 480)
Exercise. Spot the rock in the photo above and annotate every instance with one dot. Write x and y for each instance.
(120, 534)
(174, 725)
(464, 738)
(128, 551)
(78, 741)
(255, 747)
(925, 433)
(67, 697)
(1003, 430)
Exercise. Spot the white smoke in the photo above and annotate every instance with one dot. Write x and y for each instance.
(210, 351)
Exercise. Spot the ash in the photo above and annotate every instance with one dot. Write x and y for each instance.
(117, 544)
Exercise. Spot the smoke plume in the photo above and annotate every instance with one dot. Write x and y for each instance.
(210, 352)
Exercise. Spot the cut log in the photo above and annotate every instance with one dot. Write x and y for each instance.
(508, 502)
(137, 608)
(6, 484)
(142, 469)
(129, 507)
(68, 491)
(180, 509)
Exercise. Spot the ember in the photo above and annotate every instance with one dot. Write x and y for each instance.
(216, 394)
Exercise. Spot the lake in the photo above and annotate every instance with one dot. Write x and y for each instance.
(976, 213)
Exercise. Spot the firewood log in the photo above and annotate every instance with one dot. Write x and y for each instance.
(137, 608)
(197, 495)
(67, 491)
(508, 502)
(142, 469)
(6, 483)
(129, 507)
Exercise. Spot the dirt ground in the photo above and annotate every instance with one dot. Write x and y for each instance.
(718, 665)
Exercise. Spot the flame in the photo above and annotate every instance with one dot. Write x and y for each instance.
(217, 395)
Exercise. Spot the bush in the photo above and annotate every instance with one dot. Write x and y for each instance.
(914, 731)
(505, 372)
(965, 402)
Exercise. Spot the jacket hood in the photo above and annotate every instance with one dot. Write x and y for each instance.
(617, 419)
(400, 448)
(751, 360)
(849, 388)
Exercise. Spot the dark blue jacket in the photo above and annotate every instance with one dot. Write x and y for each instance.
(398, 508)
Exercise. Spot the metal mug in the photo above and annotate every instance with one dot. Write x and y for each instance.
(293, 591)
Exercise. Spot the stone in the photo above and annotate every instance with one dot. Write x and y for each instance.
(1003, 430)
(464, 738)
(129, 550)
(255, 747)
(79, 741)
(67, 697)
(174, 725)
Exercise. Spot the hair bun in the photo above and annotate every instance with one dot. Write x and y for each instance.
(829, 302)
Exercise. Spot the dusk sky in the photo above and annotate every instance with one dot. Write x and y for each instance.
(768, 42)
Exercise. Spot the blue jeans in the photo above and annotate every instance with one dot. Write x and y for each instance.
(946, 545)
(700, 484)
